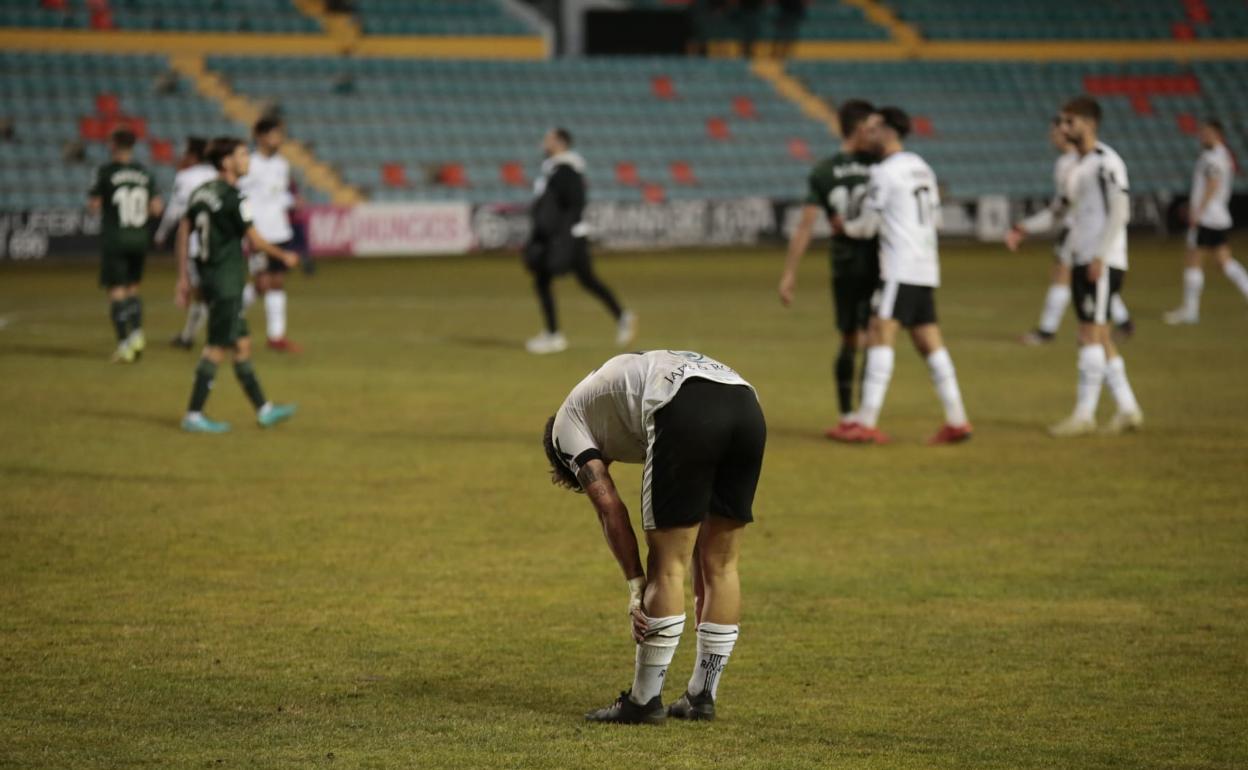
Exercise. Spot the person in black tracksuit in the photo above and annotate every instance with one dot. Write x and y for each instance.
(558, 242)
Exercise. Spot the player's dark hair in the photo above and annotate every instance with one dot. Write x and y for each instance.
(564, 135)
(852, 113)
(896, 119)
(221, 148)
(1084, 107)
(560, 474)
(123, 138)
(196, 147)
(265, 125)
(1216, 125)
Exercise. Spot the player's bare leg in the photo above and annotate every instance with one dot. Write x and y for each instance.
(718, 617)
(1055, 302)
(930, 344)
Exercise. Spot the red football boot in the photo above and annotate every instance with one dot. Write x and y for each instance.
(284, 345)
(842, 430)
(861, 434)
(951, 434)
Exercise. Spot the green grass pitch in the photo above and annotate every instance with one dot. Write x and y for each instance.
(390, 580)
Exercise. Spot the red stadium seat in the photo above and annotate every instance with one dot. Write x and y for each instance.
(626, 174)
(717, 128)
(512, 173)
(799, 150)
(108, 105)
(102, 20)
(653, 193)
(162, 151)
(682, 173)
(1188, 123)
(92, 129)
(922, 126)
(54, 5)
(1181, 30)
(744, 107)
(1141, 104)
(393, 175)
(662, 87)
(452, 175)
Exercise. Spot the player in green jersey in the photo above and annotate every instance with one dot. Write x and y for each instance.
(125, 197)
(221, 218)
(836, 187)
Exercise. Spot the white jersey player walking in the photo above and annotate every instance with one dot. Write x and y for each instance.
(1057, 215)
(903, 207)
(1209, 214)
(697, 428)
(1097, 196)
(196, 170)
(267, 187)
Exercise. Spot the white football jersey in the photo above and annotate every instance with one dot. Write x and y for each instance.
(185, 182)
(609, 415)
(1098, 175)
(1215, 165)
(1062, 167)
(267, 186)
(902, 189)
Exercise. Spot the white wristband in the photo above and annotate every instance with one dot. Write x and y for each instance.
(636, 590)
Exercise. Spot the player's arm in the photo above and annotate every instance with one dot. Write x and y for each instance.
(1117, 215)
(180, 248)
(1042, 221)
(799, 241)
(867, 223)
(258, 243)
(616, 526)
(155, 206)
(170, 217)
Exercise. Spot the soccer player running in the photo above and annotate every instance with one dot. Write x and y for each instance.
(903, 207)
(195, 171)
(559, 243)
(837, 186)
(1097, 193)
(1043, 221)
(1209, 214)
(221, 217)
(267, 188)
(124, 194)
(697, 427)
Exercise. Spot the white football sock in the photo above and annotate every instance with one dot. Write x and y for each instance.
(1193, 285)
(249, 295)
(1237, 274)
(196, 317)
(715, 643)
(275, 313)
(879, 372)
(1091, 378)
(1118, 310)
(1055, 302)
(1116, 379)
(654, 655)
(946, 381)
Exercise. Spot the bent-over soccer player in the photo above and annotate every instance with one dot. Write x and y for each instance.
(221, 217)
(697, 427)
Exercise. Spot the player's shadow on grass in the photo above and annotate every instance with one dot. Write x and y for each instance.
(48, 351)
(158, 420)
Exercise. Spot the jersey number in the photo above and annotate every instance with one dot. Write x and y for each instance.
(847, 201)
(201, 228)
(923, 201)
(131, 203)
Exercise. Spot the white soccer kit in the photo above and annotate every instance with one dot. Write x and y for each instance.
(1062, 167)
(1214, 165)
(185, 182)
(267, 187)
(609, 415)
(1097, 177)
(902, 191)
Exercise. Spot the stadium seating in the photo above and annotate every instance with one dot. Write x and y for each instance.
(437, 17)
(988, 121)
(267, 16)
(57, 100)
(365, 115)
(1075, 19)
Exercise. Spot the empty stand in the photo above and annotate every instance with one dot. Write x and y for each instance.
(437, 17)
(261, 16)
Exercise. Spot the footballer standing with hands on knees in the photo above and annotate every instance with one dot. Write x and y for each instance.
(697, 428)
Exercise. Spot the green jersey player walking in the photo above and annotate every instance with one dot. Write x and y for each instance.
(125, 197)
(837, 186)
(221, 218)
